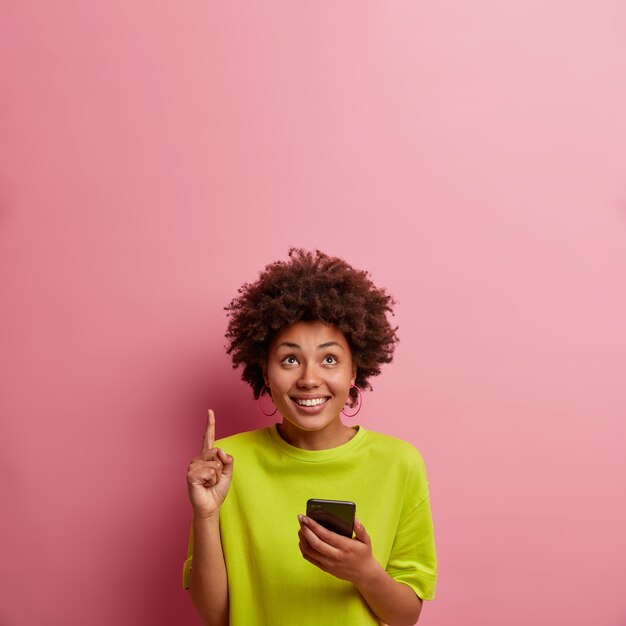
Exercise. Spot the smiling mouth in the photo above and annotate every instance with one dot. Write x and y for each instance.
(310, 401)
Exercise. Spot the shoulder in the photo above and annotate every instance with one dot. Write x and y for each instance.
(387, 444)
(403, 455)
(405, 466)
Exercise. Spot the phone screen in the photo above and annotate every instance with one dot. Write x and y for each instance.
(336, 515)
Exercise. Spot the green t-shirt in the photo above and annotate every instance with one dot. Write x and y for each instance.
(269, 581)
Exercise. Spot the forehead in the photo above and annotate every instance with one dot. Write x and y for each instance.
(309, 335)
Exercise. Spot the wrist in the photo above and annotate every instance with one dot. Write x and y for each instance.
(206, 520)
(370, 576)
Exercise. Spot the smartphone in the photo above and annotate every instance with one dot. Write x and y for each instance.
(336, 515)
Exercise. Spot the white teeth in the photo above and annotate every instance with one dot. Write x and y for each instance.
(311, 402)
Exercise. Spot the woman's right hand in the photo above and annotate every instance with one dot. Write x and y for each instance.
(209, 475)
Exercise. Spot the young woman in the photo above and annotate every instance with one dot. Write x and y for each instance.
(309, 333)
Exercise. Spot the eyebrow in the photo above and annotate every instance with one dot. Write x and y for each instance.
(322, 346)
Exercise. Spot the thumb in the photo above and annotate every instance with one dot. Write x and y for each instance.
(359, 531)
(227, 461)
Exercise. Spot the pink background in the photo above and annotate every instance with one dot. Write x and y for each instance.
(471, 155)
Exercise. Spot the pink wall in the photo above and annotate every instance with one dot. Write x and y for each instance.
(153, 156)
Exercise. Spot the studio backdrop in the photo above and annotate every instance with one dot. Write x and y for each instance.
(154, 156)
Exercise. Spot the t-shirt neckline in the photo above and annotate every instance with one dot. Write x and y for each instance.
(315, 456)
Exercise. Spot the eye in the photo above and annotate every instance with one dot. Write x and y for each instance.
(289, 360)
(330, 360)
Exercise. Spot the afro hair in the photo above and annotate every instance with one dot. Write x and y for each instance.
(311, 286)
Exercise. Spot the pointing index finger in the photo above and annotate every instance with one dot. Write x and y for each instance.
(209, 435)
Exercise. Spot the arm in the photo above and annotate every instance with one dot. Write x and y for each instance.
(208, 584)
(394, 603)
(208, 481)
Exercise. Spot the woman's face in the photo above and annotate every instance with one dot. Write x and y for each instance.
(309, 372)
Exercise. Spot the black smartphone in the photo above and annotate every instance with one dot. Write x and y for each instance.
(336, 515)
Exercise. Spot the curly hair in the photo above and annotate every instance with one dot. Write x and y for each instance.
(311, 287)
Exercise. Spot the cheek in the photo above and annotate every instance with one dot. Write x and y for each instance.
(278, 378)
(341, 381)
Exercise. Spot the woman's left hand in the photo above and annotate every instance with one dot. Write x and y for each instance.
(348, 559)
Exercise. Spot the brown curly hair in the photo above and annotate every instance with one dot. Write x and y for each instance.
(311, 287)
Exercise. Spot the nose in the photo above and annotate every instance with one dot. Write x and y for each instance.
(310, 377)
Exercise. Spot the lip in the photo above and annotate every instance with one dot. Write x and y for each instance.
(309, 410)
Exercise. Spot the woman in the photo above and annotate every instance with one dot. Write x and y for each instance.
(309, 333)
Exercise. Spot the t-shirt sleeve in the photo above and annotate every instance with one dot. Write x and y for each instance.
(188, 561)
(413, 558)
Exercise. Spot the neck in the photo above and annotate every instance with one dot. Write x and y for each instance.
(330, 437)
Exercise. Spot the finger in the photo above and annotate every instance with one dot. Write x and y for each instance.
(205, 477)
(211, 459)
(319, 546)
(307, 549)
(309, 558)
(211, 468)
(216, 467)
(209, 434)
(328, 536)
(227, 461)
(360, 533)
(223, 456)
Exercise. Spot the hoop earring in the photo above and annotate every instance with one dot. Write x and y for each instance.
(261, 406)
(360, 394)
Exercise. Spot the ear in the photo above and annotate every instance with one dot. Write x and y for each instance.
(353, 379)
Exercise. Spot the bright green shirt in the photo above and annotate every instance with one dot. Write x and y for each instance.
(269, 581)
